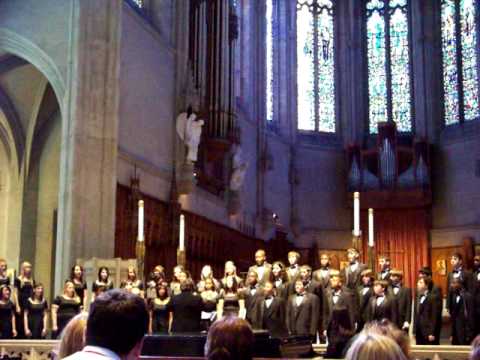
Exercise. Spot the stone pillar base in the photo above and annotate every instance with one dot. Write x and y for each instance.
(185, 181)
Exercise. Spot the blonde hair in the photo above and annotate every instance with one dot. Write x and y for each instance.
(371, 346)
(72, 338)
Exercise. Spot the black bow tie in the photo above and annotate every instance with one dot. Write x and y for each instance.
(336, 293)
(269, 298)
(253, 288)
(366, 286)
(396, 286)
(301, 295)
(293, 267)
(380, 296)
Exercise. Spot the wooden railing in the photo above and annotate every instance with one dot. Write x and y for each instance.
(42, 350)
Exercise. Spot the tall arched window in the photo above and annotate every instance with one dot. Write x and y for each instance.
(316, 65)
(460, 74)
(389, 84)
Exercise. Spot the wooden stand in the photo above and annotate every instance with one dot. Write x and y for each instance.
(140, 254)
(181, 257)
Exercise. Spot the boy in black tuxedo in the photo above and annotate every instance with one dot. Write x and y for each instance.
(271, 313)
(302, 312)
(364, 293)
(459, 272)
(426, 313)
(381, 305)
(384, 264)
(322, 275)
(462, 311)
(436, 292)
(351, 273)
(252, 294)
(403, 297)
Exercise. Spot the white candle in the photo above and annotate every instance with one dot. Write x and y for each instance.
(356, 214)
(181, 245)
(371, 234)
(141, 236)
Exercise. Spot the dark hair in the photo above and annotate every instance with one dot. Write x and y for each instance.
(458, 256)
(425, 271)
(100, 269)
(164, 287)
(341, 321)
(428, 282)
(229, 338)
(5, 287)
(382, 283)
(72, 272)
(283, 273)
(117, 320)
(37, 285)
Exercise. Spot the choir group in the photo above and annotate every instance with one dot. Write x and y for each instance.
(287, 300)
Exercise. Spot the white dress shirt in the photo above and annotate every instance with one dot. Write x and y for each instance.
(93, 353)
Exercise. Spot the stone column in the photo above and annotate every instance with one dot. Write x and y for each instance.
(89, 146)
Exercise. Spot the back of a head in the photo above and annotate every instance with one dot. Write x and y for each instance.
(118, 320)
(390, 330)
(374, 347)
(475, 353)
(73, 336)
(229, 338)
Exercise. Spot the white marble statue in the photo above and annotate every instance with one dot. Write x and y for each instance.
(239, 166)
(189, 129)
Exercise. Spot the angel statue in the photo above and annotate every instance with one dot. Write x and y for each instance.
(239, 170)
(189, 129)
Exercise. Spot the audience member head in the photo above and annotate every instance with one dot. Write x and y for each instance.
(367, 277)
(206, 273)
(293, 258)
(230, 269)
(229, 338)
(335, 279)
(260, 257)
(352, 255)
(396, 276)
(103, 274)
(379, 287)
(5, 292)
(324, 260)
(72, 338)
(424, 284)
(384, 262)
(456, 260)
(388, 329)
(118, 321)
(475, 353)
(76, 273)
(38, 292)
(305, 273)
(162, 291)
(26, 270)
(374, 347)
(187, 285)
(252, 278)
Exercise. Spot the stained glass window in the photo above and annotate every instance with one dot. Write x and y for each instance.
(389, 88)
(316, 65)
(460, 75)
(269, 58)
(139, 3)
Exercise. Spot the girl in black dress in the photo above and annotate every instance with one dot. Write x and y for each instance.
(231, 301)
(76, 275)
(103, 283)
(24, 285)
(7, 314)
(280, 279)
(160, 316)
(209, 297)
(36, 315)
(4, 279)
(134, 285)
(64, 308)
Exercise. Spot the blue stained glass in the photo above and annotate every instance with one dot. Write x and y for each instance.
(305, 69)
(469, 59)
(377, 77)
(269, 59)
(400, 69)
(316, 65)
(326, 74)
(388, 18)
(450, 64)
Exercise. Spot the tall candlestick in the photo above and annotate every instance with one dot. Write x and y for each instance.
(371, 234)
(181, 245)
(141, 236)
(356, 213)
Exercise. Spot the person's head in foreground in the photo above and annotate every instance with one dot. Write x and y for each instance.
(389, 329)
(72, 338)
(475, 353)
(117, 322)
(372, 346)
(229, 338)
